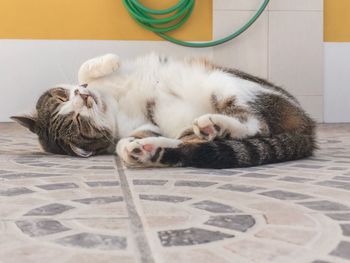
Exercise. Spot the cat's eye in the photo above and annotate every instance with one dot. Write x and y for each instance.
(78, 120)
(61, 94)
(61, 99)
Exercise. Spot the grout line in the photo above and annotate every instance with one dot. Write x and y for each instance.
(137, 229)
(238, 10)
(302, 11)
(271, 10)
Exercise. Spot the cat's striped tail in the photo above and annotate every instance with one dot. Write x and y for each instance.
(241, 153)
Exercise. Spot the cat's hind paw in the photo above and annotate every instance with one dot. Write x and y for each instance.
(207, 127)
(145, 152)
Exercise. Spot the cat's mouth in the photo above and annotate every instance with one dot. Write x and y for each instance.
(88, 98)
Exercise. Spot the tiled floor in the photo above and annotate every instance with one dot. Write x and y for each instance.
(63, 209)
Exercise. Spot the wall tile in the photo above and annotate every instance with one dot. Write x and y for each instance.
(275, 5)
(288, 5)
(337, 82)
(296, 51)
(237, 5)
(248, 52)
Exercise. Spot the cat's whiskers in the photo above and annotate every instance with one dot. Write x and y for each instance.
(63, 73)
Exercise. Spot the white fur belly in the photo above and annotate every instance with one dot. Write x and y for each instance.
(176, 116)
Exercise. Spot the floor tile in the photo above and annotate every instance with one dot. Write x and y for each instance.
(63, 209)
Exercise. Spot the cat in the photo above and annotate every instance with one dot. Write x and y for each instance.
(158, 111)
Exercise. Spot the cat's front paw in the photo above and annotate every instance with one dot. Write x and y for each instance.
(145, 152)
(110, 63)
(98, 67)
(207, 127)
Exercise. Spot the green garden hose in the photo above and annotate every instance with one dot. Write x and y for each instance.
(174, 17)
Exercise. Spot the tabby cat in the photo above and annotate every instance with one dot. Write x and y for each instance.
(158, 111)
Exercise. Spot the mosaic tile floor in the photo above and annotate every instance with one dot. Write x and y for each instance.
(63, 209)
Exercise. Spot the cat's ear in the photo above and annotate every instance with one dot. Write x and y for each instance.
(30, 122)
(80, 152)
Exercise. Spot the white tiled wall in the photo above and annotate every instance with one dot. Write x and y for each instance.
(285, 45)
(296, 56)
(337, 82)
(248, 52)
(237, 4)
(296, 5)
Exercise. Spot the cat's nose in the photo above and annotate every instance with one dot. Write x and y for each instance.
(84, 96)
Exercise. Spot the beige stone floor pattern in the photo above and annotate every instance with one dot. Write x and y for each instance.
(64, 209)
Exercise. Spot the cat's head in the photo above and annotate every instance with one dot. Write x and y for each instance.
(72, 120)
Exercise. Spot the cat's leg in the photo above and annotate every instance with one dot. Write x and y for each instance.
(230, 120)
(98, 67)
(211, 126)
(146, 130)
(135, 151)
(146, 152)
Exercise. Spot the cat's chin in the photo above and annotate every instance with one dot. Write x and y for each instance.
(100, 102)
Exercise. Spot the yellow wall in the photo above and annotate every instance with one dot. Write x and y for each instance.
(91, 19)
(337, 21)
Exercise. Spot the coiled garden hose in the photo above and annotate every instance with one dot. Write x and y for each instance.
(174, 17)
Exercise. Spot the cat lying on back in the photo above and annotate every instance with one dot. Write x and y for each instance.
(159, 111)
